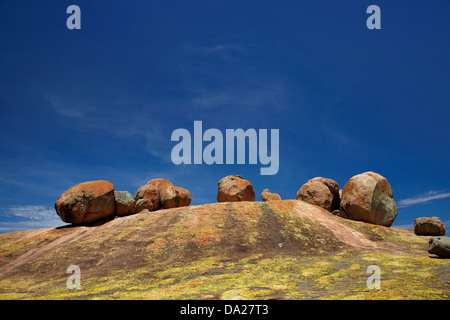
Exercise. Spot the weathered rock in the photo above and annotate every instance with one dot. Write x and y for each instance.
(334, 189)
(124, 203)
(439, 246)
(266, 195)
(429, 226)
(368, 197)
(160, 184)
(174, 197)
(316, 192)
(283, 242)
(87, 202)
(148, 196)
(235, 188)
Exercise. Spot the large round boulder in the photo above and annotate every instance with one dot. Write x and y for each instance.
(235, 188)
(87, 202)
(313, 192)
(426, 226)
(174, 197)
(369, 197)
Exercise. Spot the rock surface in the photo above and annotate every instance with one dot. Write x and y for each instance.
(440, 246)
(174, 197)
(260, 250)
(266, 195)
(87, 202)
(235, 188)
(369, 197)
(124, 203)
(426, 226)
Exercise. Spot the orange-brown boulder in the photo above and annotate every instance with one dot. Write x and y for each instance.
(235, 188)
(174, 197)
(334, 189)
(316, 192)
(87, 202)
(369, 197)
(148, 196)
(429, 226)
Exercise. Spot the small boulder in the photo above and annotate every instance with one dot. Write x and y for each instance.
(87, 202)
(316, 192)
(235, 188)
(369, 197)
(124, 203)
(429, 226)
(266, 195)
(439, 246)
(174, 197)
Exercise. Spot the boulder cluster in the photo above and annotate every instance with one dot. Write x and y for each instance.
(433, 226)
(94, 201)
(366, 197)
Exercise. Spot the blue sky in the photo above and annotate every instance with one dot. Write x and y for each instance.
(102, 102)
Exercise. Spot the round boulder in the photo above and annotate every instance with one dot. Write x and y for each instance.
(87, 202)
(334, 189)
(369, 197)
(235, 188)
(429, 226)
(174, 197)
(316, 192)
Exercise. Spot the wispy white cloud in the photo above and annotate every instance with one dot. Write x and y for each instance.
(424, 198)
(29, 217)
(122, 117)
(64, 107)
(245, 94)
(221, 47)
